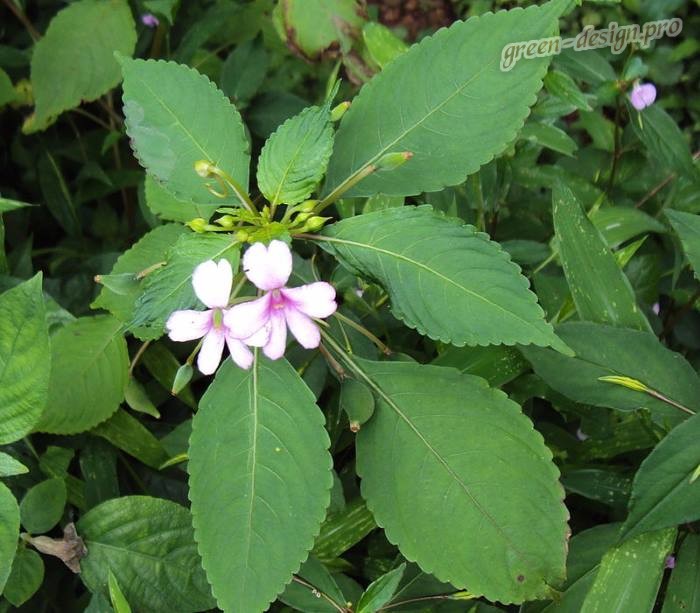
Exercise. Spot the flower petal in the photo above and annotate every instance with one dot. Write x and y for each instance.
(210, 353)
(188, 325)
(315, 299)
(260, 338)
(245, 319)
(303, 329)
(268, 267)
(643, 95)
(212, 283)
(277, 343)
(240, 353)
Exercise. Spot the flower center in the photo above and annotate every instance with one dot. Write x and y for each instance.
(217, 318)
(277, 301)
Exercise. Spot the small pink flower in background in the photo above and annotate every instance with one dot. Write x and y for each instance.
(581, 435)
(150, 20)
(212, 285)
(268, 268)
(670, 562)
(642, 95)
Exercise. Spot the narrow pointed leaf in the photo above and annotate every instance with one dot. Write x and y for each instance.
(687, 226)
(256, 516)
(447, 101)
(445, 279)
(488, 491)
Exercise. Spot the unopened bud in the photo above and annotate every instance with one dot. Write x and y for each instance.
(302, 217)
(389, 161)
(628, 382)
(182, 378)
(226, 221)
(339, 110)
(315, 223)
(307, 206)
(203, 168)
(242, 236)
(198, 224)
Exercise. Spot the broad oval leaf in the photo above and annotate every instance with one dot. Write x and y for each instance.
(601, 291)
(666, 490)
(149, 546)
(445, 279)
(604, 351)
(170, 287)
(9, 532)
(25, 359)
(176, 116)
(687, 226)
(10, 467)
(74, 61)
(456, 475)
(256, 516)
(26, 577)
(295, 157)
(447, 101)
(89, 364)
(42, 505)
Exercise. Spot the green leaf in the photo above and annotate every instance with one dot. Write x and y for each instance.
(7, 204)
(10, 467)
(144, 254)
(9, 532)
(380, 591)
(58, 199)
(687, 226)
(26, 577)
(497, 364)
(295, 157)
(7, 90)
(74, 60)
(439, 95)
(590, 67)
(137, 398)
(383, 45)
(244, 70)
(629, 575)
(664, 140)
(608, 351)
(343, 530)
(664, 492)
(175, 116)
(445, 279)
(168, 206)
(302, 598)
(149, 546)
(548, 136)
(357, 400)
(24, 359)
(489, 490)
(170, 288)
(42, 506)
(618, 224)
(116, 596)
(683, 590)
(256, 515)
(601, 291)
(89, 364)
(562, 86)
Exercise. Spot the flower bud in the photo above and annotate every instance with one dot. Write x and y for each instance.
(338, 111)
(182, 378)
(242, 236)
(198, 224)
(307, 206)
(226, 221)
(203, 168)
(389, 161)
(315, 223)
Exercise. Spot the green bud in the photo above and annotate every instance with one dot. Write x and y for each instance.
(628, 382)
(389, 161)
(203, 168)
(242, 236)
(226, 221)
(338, 111)
(301, 217)
(182, 378)
(198, 224)
(315, 223)
(307, 206)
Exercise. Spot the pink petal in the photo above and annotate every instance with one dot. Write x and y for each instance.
(303, 329)
(188, 325)
(643, 95)
(211, 351)
(315, 299)
(277, 343)
(260, 338)
(212, 283)
(268, 267)
(245, 319)
(240, 353)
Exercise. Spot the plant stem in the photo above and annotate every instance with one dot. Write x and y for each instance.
(657, 188)
(364, 331)
(350, 182)
(33, 32)
(321, 594)
(137, 357)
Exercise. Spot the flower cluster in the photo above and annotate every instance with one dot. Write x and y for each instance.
(262, 322)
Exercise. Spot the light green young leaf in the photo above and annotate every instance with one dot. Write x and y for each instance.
(382, 44)
(256, 515)
(445, 279)
(683, 590)
(295, 157)
(116, 596)
(149, 546)
(687, 226)
(42, 505)
(74, 60)
(10, 467)
(664, 493)
(601, 291)
(9, 532)
(380, 591)
(170, 288)
(489, 489)
(629, 575)
(447, 101)
(608, 351)
(25, 359)
(175, 117)
(26, 577)
(150, 250)
(89, 364)
(343, 530)
(7, 204)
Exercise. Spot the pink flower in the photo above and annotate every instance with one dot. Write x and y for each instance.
(149, 20)
(642, 95)
(670, 562)
(212, 285)
(268, 268)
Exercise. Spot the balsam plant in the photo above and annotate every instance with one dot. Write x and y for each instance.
(341, 392)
